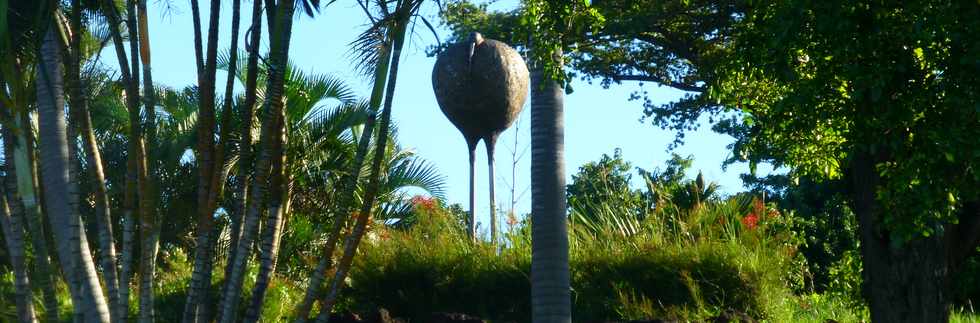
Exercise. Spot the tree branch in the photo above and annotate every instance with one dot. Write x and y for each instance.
(658, 80)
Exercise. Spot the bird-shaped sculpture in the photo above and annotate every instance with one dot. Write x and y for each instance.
(481, 86)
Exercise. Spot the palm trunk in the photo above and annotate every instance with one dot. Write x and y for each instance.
(146, 181)
(550, 298)
(68, 230)
(279, 54)
(245, 145)
(83, 122)
(20, 183)
(129, 235)
(342, 215)
(13, 231)
(135, 174)
(349, 188)
(270, 240)
(211, 174)
(354, 239)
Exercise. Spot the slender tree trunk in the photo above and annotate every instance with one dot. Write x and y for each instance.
(269, 249)
(13, 231)
(491, 142)
(20, 184)
(149, 217)
(83, 122)
(471, 149)
(129, 235)
(342, 215)
(135, 173)
(211, 168)
(550, 297)
(906, 282)
(279, 54)
(245, 145)
(354, 239)
(72, 248)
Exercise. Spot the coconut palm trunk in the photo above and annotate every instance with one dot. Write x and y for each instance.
(129, 208)
(245, 143)
(381, 141)
(134, 170)
(212, 173)
(73, 250)
(279, 55)
(342, 215)
(219, 172)
(269, 247)
(20, 183)
(13, 231)
(83, 123)
(550, 287)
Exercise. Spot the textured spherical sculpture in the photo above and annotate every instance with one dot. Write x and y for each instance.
(481, 85)
(482, 93)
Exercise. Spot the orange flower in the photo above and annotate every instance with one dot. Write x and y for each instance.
(750, 221)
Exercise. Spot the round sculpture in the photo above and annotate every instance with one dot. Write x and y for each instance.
(481, 86)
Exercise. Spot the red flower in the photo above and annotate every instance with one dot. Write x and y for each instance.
(750, 221)
(427, 203)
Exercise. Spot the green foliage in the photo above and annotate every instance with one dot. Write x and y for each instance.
(707, 263)
(603, 187)
(820, 83)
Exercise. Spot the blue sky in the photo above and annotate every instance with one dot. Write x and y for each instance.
(597, 120)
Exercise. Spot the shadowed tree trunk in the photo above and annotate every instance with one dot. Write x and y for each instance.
(897, 277)
(279, 53)
(19, 184)
(342, 215)
(550, 287)
(211, 168)
(13, 231)
(381, 141)
(83, 122)
(135, 164)
(269, 247)
(245, 143)
(68, 230)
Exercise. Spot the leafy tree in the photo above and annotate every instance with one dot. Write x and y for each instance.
(605, 183)
(883, 96)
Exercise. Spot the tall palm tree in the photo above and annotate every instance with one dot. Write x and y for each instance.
(69, 232)
(550, 281)
(13, 231)
(280, 35)
(395, 24)
(17, 46)
(211, 170)
(82, 122)
(245, 130)
(308, 130)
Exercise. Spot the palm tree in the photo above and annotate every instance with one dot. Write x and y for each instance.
(73, 250)
(19, 43)
(312, 131)
(211, 170)
(82, 122)
(13, 231)
(280, 35)
(245, 131)
(395, 24)
(380, 53)
(550, 280)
